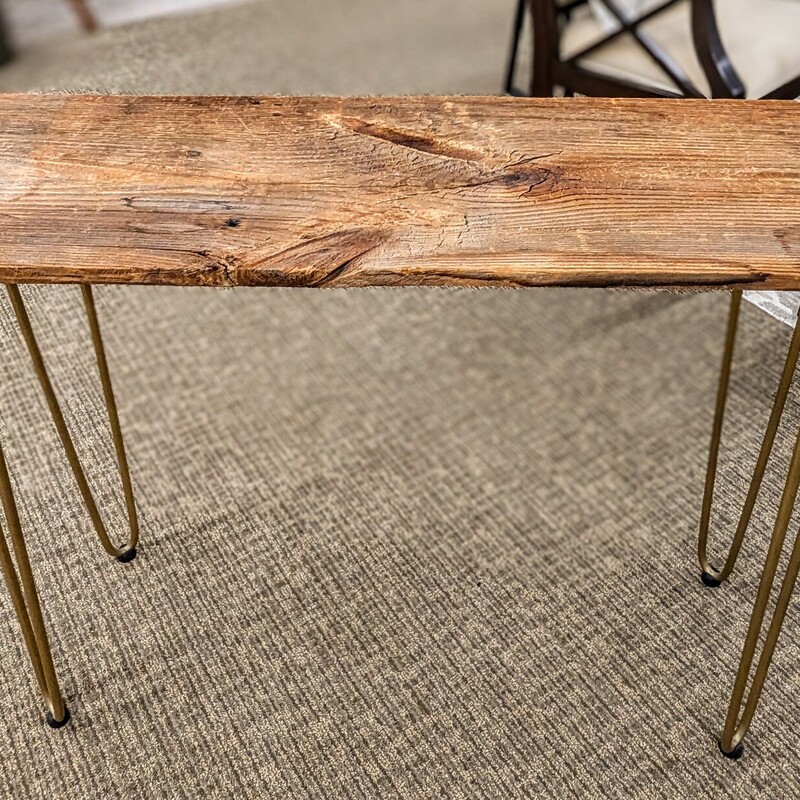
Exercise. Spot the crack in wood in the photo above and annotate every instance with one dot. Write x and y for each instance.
(337, 272)
(319, 261)
(597, 281)
(421, 142)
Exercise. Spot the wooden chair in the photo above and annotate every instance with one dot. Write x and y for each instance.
(677, 48)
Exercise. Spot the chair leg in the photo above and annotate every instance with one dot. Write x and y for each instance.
(25, 599)
(516, 35)
(545, 40)
(127, 552)
(711, 576)
(6, 52)
(84, 14)
(546, 46)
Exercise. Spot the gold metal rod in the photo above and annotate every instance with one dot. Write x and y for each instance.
(18, 601)
(26, 603)
(711, 576)
(113, 415)
(740, 711)
(128, 552)
(734, 732)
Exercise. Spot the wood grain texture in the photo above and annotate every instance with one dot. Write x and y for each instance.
(294, 191)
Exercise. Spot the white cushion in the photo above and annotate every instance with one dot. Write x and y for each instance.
(784, 306)
(760, 36)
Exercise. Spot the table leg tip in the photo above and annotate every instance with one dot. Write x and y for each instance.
(709, 580)
(127, 556)
(54, 723)
(734, 754)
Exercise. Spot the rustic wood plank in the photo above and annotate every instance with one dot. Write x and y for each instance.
(289, 191)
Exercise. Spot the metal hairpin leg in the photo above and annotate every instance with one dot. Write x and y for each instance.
(741, 711)
(25, 599)
(128, 551)
(20, 578)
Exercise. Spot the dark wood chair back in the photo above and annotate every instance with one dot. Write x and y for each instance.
(550, 71)
(6, 53)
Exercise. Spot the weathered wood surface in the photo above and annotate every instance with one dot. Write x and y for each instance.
(417, 190)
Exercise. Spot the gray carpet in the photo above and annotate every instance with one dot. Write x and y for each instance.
(396, 543)
(287, 46)
(41, 20)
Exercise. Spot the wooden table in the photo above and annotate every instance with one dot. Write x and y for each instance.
(324, 192)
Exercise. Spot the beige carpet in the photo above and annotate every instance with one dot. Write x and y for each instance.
(32, 21)
(286, 46)
(417, 544)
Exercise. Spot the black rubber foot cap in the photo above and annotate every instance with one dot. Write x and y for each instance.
(710, 580)
(734, 754)
(127, 556)
(55, 724)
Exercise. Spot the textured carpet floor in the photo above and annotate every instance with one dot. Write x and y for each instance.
(414, 543)
(286, 46)
(396, 543)
(32, 21)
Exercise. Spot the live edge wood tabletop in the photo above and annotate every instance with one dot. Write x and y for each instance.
(324, 191)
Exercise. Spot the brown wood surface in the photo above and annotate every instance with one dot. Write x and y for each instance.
(416, 190)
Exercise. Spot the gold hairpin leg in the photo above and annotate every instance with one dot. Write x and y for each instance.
(740, 712)
(127, 552)
(711, 576)
(19, 578)
(25, 599)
